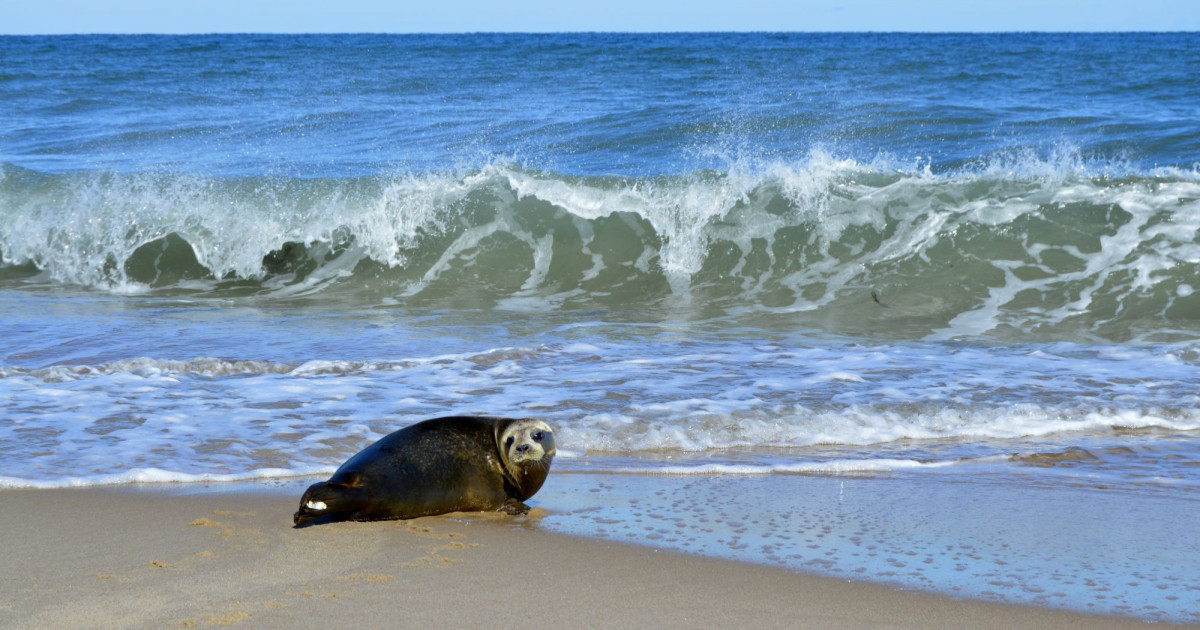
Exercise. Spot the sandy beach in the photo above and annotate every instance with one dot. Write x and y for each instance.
(155, 558)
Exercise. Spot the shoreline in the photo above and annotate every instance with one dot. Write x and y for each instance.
(185, 556)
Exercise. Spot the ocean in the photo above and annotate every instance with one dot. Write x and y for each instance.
(745, 277)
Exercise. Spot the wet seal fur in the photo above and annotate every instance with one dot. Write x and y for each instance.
(451, 464)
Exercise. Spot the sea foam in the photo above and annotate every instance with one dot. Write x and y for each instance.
(1047, 250)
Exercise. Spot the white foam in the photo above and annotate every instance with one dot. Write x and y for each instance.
(866, 225)
(846, 466)
(160, 476)
(146, 425)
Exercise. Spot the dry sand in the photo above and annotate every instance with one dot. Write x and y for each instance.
(117, 558)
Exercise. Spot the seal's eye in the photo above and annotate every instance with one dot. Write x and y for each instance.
(510, 441)
(537, 436)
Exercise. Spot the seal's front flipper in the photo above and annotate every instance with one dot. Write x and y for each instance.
(330, 500)
(514, 507)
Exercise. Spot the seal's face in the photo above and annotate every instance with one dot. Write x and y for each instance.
(526, 449)
(527, 442)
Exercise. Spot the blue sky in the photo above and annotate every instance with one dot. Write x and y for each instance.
(403, 16)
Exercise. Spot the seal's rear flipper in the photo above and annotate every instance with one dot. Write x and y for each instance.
(328, 499)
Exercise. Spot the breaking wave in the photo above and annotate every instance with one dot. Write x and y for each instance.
(1015, 247)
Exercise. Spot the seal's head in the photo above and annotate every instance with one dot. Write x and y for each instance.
(526, 449)
(527, 442)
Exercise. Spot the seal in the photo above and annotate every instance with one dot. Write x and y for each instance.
(451, 464)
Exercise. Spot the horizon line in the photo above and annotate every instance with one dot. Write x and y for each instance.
(610, 32)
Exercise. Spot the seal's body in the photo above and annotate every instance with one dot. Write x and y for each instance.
(453, 464)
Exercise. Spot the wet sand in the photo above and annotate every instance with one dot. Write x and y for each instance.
(154, 558)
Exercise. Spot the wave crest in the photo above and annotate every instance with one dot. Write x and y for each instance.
(1012, 245)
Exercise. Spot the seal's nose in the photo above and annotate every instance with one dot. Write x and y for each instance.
(522, 448)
